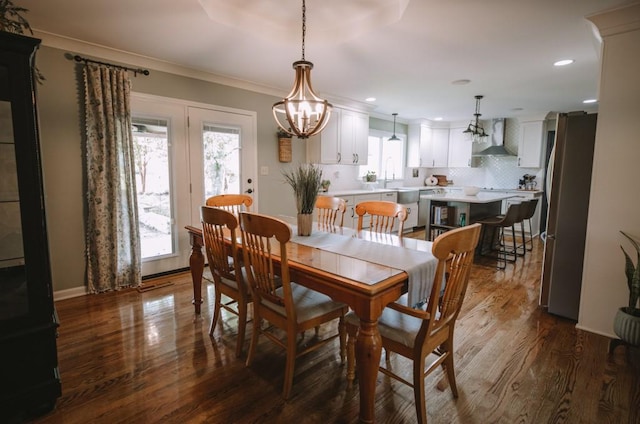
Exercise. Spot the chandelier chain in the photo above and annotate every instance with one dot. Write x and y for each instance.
(304, 24)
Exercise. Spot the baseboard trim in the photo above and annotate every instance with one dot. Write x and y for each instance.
(70, 293)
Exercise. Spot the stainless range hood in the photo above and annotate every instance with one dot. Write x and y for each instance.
(497, 140)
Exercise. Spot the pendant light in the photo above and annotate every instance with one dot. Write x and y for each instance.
(394, 137)
(475, 130)
(302, 113)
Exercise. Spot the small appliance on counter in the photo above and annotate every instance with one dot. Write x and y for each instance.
(527, 182)
(431, 181)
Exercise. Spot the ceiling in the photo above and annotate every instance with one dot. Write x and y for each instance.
(405, 53)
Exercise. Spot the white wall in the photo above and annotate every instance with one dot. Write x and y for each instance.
(615, 195)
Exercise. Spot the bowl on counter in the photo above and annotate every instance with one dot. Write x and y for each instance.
(470, 190)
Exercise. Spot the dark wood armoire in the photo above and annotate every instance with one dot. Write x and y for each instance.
(29, 379)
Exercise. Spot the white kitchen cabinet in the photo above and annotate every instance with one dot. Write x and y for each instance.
(354, 137)
(345, 139)
(412, 217)
(530, 144)
(414, 141)
(427, 147)
(459, 149)
(350, 216)
(440, 147)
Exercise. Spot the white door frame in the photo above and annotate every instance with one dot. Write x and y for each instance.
(177, 111)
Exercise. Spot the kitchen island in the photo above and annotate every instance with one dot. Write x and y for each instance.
(451, 210)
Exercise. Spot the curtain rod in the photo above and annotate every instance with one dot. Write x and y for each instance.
(135, 71)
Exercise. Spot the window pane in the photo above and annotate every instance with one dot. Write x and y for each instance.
(221, 160)
(373, 159)
(393, 154)
(151, 150)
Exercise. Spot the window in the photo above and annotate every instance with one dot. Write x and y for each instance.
(386, 158)
(151, 150)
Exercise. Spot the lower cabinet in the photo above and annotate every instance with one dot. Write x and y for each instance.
(412, 217)
(350, 216)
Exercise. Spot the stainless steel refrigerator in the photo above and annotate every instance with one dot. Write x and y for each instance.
(567, 192)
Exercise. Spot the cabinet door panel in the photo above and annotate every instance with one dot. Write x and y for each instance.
(459, 149)
(530, 146)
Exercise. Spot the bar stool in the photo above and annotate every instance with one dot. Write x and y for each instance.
(530, 210)
(499, 223)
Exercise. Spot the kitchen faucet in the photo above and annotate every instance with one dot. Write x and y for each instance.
(386, 168)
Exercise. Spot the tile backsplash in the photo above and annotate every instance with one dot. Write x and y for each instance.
(490, 171)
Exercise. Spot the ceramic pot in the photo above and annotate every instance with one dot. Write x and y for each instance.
(627, 327)
(305, 222)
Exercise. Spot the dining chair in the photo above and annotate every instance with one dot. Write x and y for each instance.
(330, 210)
(417, 333)
(382, 216)
(229, 277)
(234, 203)
(291, 307)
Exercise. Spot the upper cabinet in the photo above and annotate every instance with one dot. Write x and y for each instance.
(440, 147)
(345, 139)
(427, 147)
(530, 144)
(460, 149)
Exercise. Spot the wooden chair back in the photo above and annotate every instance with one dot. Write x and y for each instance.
(417, 333)
(221, 258)
(454, 250)
(277, 299)
(219, 233)
(258, 252)
(330, 210)
(234, 203)
(383, 215)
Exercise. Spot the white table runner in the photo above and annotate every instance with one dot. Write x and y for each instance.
(420, 266)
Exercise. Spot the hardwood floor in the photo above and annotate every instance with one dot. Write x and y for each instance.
(131, 357)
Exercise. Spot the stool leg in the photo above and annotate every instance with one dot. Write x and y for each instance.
(530, 236)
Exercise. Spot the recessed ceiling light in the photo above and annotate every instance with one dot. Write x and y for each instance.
(461, 82)
(370, 99)
(439, 118)
(590, 101)
(563, 62)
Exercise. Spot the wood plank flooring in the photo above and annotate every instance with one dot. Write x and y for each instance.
(131, 357)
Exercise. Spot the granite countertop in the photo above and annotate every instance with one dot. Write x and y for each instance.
(482, 197)
(455, 189)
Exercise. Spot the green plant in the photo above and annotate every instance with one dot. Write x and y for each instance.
(11, 20)
(633, 277)
(283, 134)
(305, 179)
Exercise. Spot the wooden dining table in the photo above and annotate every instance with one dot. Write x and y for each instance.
(365, 286)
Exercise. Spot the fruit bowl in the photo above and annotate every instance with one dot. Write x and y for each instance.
(470, 190)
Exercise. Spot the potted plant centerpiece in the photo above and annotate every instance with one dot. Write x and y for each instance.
(626, 324)
(305, 179)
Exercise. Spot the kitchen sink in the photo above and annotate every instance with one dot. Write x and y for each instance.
(408, 195)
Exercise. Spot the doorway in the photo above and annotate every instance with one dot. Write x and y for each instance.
(185, 152)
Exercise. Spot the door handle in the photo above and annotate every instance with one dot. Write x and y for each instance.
(249, 191)
(551, 236)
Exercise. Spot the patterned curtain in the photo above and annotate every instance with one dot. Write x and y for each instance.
(113, 238)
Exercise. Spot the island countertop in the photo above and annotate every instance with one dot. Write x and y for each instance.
(482, 197)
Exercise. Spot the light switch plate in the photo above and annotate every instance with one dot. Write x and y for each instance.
(264, 170)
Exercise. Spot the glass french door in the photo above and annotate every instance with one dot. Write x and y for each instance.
(223, 155)
(185, 153)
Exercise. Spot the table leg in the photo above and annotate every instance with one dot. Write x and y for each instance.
(368, 352)
(196, 264)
